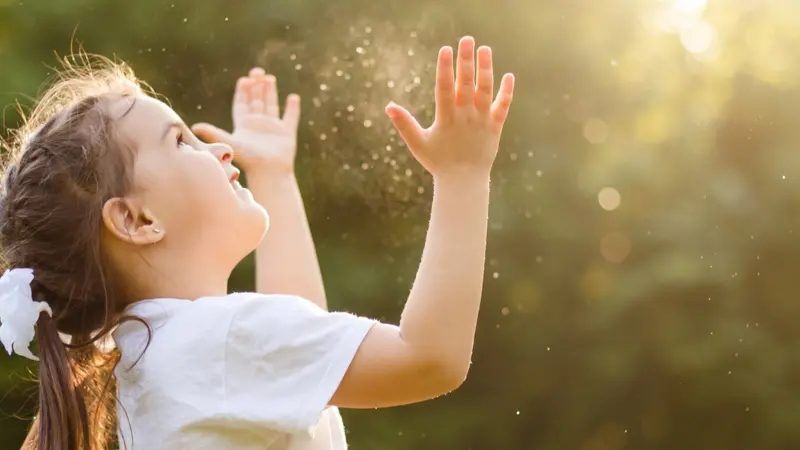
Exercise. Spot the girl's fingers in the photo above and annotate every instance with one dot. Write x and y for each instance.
(291, 114)
(241, 98)
(257, 105)
(502, 103)
(445, 85)
(465, 72)
(212, 134)
(485, 86)
(407, 126)
(271, 96)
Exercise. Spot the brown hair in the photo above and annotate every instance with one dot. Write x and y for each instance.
(63, 164)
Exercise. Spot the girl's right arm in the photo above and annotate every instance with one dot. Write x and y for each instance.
(429, 353)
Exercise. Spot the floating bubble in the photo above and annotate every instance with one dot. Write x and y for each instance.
(615, 247)
(609, 198)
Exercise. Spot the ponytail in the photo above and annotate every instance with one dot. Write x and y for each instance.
(75, 398)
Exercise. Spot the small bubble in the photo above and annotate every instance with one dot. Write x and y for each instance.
(548, 349)
(323, 137)
(595, 131)
(783, 176)
(185, 20)
(538, 173)
(609, 199)
(339, 73)
(351, 108)
(360, 50)
(292, 56)
(226, 19)
(410, 52)
(417, 80)
(390, 84)
(614, 63)
(517, 412)
(495, 275)
(364, 166)
(367, 123)
(413, 34)
(199, 107)
(420, 190)
(505, 311)
(323, 87)
(368, 29)
(346, 167)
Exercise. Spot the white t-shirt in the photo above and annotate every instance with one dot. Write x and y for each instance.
(244, 371)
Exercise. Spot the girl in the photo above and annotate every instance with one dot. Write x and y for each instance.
(116, 217)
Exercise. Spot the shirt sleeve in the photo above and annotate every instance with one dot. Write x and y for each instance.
(285, 358)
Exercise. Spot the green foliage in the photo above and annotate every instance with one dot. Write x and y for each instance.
(664, 322)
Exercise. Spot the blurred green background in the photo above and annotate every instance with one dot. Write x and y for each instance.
(640, 291)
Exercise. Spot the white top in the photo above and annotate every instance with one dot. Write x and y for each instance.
(244, 371)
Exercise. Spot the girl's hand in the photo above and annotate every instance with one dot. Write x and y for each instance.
(465, 134)
(261, 138)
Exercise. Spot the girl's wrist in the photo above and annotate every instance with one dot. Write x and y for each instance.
(269, 173)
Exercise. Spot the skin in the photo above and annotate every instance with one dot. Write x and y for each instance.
(266, 144)
(186, 224)
(184, 209)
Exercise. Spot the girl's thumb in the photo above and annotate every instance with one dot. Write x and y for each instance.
(407, 126)
(210, 133)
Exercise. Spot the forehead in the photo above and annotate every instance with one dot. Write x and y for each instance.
(142, 119)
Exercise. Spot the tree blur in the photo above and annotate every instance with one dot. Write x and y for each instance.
(637, 294)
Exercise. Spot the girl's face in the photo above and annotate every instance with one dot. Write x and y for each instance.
(186, 192)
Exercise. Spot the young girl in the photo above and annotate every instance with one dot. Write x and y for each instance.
(114, 216)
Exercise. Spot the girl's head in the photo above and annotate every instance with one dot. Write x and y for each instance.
(110, 199)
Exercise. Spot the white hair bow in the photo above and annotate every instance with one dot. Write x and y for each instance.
(18, 312)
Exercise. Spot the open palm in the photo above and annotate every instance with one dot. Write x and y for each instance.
(261, 138)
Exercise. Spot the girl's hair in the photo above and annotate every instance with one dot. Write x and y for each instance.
(62, 165)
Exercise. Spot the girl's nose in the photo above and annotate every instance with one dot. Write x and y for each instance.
(223, 152)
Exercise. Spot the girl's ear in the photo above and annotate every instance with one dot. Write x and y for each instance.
(130, 224)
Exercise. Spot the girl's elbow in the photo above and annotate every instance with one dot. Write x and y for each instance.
(448, 375)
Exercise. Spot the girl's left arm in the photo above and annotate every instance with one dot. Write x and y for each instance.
(286, 260)
(265, 144)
